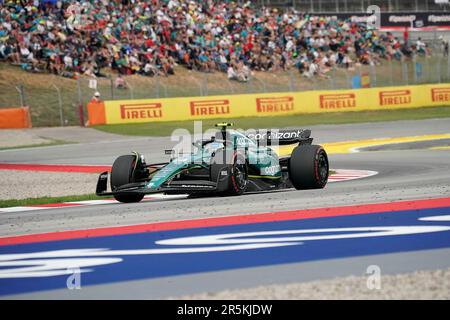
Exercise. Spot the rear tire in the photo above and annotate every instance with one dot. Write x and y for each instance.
(121, 174)
(309, 167)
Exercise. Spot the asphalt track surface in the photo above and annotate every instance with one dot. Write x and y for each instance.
(409, 174)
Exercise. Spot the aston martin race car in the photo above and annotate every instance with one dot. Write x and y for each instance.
(231, 162)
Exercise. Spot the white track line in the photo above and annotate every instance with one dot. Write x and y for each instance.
(340, 176)
(347, 175)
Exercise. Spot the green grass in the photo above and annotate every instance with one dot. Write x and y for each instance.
(46, 200)
(45, 144)
(166, 128)
(42, 96)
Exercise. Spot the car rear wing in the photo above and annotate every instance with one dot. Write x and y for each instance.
(280, 136)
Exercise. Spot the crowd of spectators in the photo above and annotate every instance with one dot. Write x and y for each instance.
(152, 37)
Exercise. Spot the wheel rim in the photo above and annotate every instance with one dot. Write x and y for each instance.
(240, 175)
(323, 167)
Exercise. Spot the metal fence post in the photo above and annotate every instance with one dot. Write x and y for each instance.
(314, 83)
(415, 68)
(360, 73)
(333, 78)
(250, 85)
(263, 84)
(448, 67)
(199, 85)
(165, 89)
(157, 86)
(373, 76)
(405, 72)
(438, 70)
(391, 72)
(435, 39)
(291, 81)
(80, 102)
(290, 84)
(348, 80)
(205, 83)
(112, 87)
(131, 91)
(228, 82)
(61, 113)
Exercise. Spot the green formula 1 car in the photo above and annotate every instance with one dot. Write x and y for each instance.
(231, 162)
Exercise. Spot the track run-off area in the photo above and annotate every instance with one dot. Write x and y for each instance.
(396, 217)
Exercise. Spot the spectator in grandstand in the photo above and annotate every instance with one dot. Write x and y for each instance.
(421, 47)
(444, 46)
(406, 35)
(152, 37)
(6, 51)
(120, 83)
(231, 73)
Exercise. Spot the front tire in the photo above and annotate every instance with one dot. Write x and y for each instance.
(235, 165)
(239, 175)
(309, 167)
(121, 174)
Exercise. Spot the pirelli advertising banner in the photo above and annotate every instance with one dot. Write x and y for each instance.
(275, 104)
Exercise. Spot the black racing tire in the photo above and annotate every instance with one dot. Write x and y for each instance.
(121, 174)
(236, 166)
(309, 167)
(238, 176)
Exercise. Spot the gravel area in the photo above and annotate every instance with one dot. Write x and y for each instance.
(417, 285)
(18, 138)
(77, 134)
(10, 138)
(28, 184)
